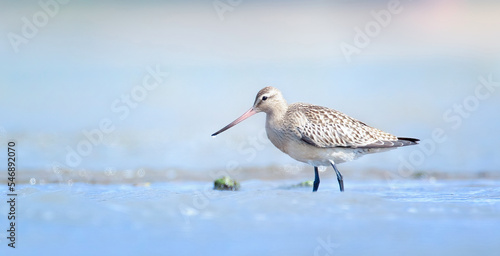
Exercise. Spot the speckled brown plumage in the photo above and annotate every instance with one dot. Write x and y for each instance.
(328, 128)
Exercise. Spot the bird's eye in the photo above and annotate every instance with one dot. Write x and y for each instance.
(264, 98)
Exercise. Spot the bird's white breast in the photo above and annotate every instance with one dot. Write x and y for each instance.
(321, 156)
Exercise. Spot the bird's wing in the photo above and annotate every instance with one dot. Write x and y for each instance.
(326, 128)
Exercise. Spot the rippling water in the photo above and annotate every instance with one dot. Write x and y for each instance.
(265, 217)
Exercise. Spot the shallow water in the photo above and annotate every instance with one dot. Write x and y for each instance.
(265, 217)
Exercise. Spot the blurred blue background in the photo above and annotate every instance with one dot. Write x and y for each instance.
(71, 73)
(112, 104)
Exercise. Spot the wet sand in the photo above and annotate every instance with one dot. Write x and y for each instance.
(270, 173)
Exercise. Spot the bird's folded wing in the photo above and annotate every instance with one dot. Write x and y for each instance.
(326, 128)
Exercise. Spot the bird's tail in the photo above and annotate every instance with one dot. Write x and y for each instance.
(408, 141)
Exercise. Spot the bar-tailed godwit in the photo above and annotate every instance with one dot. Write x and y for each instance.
(317, 135)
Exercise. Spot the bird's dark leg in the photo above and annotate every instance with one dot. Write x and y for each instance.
(339, 178)
(316, 179)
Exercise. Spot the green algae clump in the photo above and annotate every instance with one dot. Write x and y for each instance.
(226, 183)
(304, 184)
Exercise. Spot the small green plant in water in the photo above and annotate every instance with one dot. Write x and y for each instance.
(226, 183)
(304, 184)
(419, 175)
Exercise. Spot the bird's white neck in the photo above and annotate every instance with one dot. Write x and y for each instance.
(276, 115)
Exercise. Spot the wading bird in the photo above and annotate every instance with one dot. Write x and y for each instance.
(317, 135)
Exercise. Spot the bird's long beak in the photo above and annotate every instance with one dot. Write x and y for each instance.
(247, 114)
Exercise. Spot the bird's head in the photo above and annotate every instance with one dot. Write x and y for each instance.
(268, 100)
